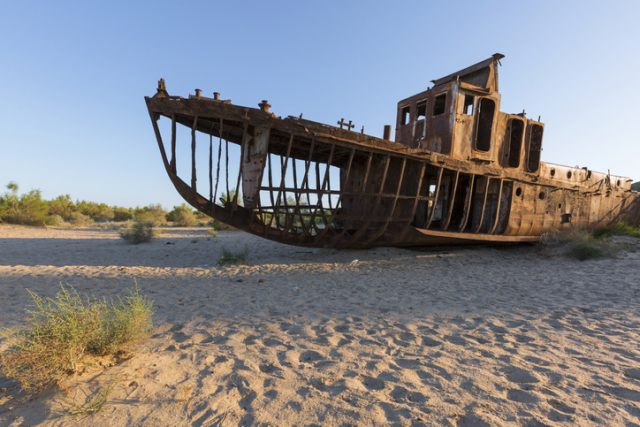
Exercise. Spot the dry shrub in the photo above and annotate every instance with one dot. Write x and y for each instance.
(79, 219)
(619, 228)
(229, 257)
(584, 246)
(54, 220)
(62, 330)
(139, 232)
(182, 216)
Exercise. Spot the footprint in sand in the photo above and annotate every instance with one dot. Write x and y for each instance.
(632, 373)
(372, 383)
(270, 368)
(521, 396)
(624, 393)
(562, 407)
(408, 363)
(430, 342)
(471, 420)
(519, 376)
(310, 356)
(402, 395)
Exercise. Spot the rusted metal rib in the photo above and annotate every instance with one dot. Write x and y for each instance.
(445, 223)
(435, 199)
(467, 204)
(173, 143)
(484, 205)
(497, 220)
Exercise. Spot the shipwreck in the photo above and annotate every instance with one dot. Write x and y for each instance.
(459, 171)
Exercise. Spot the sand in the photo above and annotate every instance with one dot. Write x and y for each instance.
(450, 336)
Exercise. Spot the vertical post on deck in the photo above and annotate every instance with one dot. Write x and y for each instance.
(283, 172)
(243, 144)
(193, 154)
(215, 190)
(210, 168)
(173, 143)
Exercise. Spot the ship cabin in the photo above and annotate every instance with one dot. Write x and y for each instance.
(460, 117)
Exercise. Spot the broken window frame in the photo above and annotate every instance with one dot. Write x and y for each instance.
(509, 143)
(479, 118)
(439, 108)
(466, 104)
(534, 151)
(421, 104)
(405, 115)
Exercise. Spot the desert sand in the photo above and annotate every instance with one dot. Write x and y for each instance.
(450, 336)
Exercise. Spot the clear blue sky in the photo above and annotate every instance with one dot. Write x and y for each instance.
(73, 76)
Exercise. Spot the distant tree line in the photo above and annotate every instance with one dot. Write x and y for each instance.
(31, 209)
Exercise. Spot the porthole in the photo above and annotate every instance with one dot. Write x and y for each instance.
(542, 195)
(518, 191)
(618, 183)
(559, 205)
(553, 171)
(569, 174)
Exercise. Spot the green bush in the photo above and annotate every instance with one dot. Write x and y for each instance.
(619, 228)
(182, 216)
(122, 214)
(79, 219)
(153, 214)
(139, 232)
(62, 206)
(229, 257)
(584, 246)
(54, 220)
(27, 209)
(99, 212)
(60, 331)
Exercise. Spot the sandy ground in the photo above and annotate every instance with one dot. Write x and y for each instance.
(467, 337)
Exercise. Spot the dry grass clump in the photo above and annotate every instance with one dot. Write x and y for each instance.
(585, 246)
(139, 232)
(62, 330)
(229, 257)
(619, 228)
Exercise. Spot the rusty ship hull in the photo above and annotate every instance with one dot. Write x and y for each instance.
(459, 171)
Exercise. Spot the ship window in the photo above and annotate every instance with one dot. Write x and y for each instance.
(421, 110)
(486, 109)
(406, 115)
(515, 142)
(439, 104)
(468, 105)
(534, 146)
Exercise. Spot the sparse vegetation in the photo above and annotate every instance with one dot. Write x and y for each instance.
(153, 214)
(585, 246)
(619, 228)
(138, 232)
(219, 226)
(61, 331)
(229, 257)
(182, 216)
(598, 243)
(92, 404)
(31, 209)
